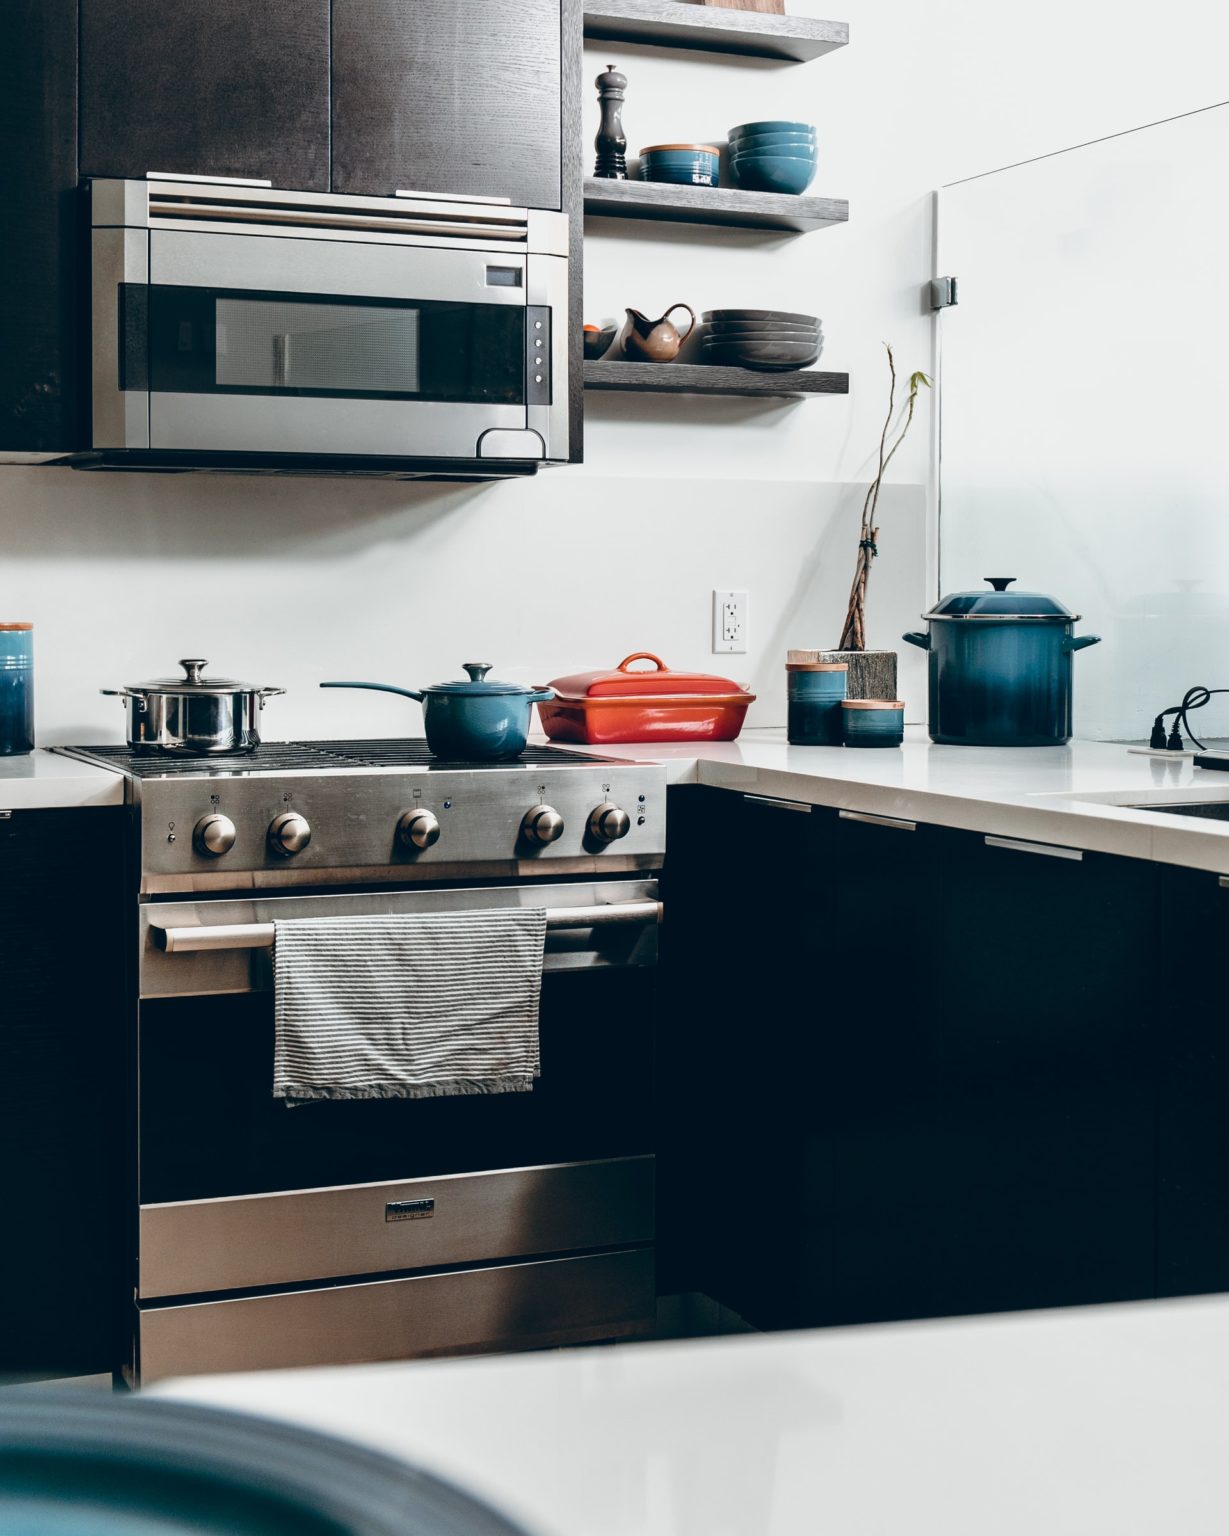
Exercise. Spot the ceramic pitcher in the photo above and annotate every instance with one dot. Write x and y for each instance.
(653, 341)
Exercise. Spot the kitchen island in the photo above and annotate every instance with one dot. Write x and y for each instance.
(1106, 1421)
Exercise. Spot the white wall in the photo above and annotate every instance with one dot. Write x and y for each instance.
(289, 582)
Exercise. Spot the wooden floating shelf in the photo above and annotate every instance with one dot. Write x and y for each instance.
(726, 206)
(700, 379)
(673, 24)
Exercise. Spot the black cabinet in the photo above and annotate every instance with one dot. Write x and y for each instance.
(871, 1247)
(912, 1072)
(1193, 1086)
(62, 1076)
(206, 87)
(455, 96)
(1045, 1186)
(746, 892)
(39, 227)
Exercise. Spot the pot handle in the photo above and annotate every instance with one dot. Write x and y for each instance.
(267, 693)
(915, 637)
(142, 702)
(1078, 642)
(406, 693)
(626, 664)
(542, 696)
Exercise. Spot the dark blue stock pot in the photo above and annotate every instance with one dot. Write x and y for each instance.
(1000, 667)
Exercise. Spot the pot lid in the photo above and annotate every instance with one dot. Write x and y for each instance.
(193, 681)
(644, 683)
(479, 683)
(1000, 604)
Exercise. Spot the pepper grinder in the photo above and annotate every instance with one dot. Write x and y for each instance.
(611, 141)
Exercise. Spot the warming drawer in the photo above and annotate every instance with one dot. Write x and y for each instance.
(240, 1243)
(523, 1306)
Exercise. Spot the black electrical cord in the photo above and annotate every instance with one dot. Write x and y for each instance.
(1193, 698)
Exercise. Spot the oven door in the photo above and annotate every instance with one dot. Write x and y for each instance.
(238, 1192)
(264, 344)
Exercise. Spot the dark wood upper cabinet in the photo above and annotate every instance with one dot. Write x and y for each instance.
(457, 96)
(206, 87)
(38, 227)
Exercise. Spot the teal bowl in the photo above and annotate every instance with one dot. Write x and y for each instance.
(775, 147)
(774, 173)
(776, 125)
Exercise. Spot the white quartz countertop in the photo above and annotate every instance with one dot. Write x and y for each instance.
(1107, 1421)
(1056, 795)
(44, 781)
(1067, 796)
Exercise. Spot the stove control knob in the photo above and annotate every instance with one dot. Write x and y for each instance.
(213, 836)
(542, 824)
(418, 829)
(608, 823)
(289, 833)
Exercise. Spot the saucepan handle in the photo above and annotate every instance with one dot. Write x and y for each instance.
(1078, 642)
(915, 637)
(542, 696)
(406, 693)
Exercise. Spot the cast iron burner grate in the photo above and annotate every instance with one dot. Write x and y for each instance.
(306, 756)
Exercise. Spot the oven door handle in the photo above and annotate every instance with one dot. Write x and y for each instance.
(260, 935)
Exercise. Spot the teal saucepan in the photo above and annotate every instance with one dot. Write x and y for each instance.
(471, 720)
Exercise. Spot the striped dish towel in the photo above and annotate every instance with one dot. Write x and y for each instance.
(407, 1006)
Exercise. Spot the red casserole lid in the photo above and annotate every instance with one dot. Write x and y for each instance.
(657, 681)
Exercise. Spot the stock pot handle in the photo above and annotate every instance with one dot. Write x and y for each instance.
(915, 637)
(407, 693)
(1078, 642)
(127, 693)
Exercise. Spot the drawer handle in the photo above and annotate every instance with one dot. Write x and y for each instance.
(898, 822)
(1050, 850)
(780, 805)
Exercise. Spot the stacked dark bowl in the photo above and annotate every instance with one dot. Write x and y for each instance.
(768, 340)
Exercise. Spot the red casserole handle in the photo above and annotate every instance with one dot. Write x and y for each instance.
(626, 664)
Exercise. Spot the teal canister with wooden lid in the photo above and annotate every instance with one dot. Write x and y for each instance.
(16, 689)
(873, 722)
(814, 693)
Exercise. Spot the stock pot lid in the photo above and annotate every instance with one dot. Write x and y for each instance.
(479, 683)
(193, 682)
(999, 603)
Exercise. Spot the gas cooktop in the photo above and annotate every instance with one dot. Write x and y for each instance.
(332, 813)
(304, 756)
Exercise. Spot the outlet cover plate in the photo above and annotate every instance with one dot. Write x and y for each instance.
(731, 620)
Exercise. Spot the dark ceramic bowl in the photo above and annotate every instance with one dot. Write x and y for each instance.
(768, 356)
(788, 316)
(784, 144)
(765, 329)
(598, 342)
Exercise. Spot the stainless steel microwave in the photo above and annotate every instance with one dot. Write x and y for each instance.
(236, 326)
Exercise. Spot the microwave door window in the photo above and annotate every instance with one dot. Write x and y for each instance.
(205, 341)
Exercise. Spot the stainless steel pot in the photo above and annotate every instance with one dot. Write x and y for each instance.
(194, 714)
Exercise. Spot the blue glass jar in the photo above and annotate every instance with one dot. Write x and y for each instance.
(873, 722)
(814, 692)
(16, 689)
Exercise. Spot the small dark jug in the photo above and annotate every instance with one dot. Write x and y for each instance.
(653, 341)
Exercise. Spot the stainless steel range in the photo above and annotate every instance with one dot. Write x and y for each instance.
(380, 1229)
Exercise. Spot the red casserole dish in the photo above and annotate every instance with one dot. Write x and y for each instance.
(648, 705)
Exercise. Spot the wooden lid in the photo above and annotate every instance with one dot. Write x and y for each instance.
(16, 626)
(707, 149)
(817, 666)
(872, 704)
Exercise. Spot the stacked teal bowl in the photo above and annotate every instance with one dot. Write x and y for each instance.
(774, 156)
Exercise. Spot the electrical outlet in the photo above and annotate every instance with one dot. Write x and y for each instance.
(731, 615)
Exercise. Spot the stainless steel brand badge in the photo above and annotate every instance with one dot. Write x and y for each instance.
(408, 1210)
